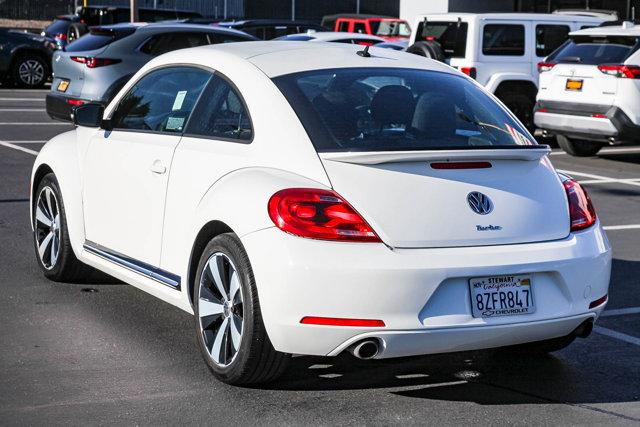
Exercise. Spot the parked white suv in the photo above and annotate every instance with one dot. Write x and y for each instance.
(499, 50)
(590, 90)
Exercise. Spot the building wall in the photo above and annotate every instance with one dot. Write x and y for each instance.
(314, 10)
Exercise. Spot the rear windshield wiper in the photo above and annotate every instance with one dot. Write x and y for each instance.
(574, 59)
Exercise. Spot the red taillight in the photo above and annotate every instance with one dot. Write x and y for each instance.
(364, 43)
(598, 302)
(61, 36)
(621, 71)
(91, 62)
(76, 102)
(318, 214)
(581, 212)
(599, 116)
(430, 38)
(460, 165)
(545, 66)
(542, 110)
(469, 71)
(335, 321)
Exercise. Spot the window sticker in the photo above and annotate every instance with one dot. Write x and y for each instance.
(175, 123)
(177, 103)
(519, 138)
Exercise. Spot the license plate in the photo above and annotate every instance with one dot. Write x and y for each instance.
(573, 84)
(501, 296)
(63, 85)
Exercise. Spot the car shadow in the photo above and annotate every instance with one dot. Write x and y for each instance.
(621, 157)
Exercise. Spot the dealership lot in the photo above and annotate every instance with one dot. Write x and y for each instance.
(103, 352)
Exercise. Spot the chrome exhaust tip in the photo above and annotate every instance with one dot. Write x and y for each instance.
(365, 349)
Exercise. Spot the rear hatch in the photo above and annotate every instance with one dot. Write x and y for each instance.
(416, 151)
(69, 64)
(571, 74)
(411, 204)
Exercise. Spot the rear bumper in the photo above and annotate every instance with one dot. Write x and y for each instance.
(58, 108)
(422, 295)
(576, 121)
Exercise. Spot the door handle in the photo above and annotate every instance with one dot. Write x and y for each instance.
(158, 168)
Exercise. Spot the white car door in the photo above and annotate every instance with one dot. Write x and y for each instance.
(127, 167)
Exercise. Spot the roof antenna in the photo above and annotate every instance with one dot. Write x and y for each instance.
(364, 53)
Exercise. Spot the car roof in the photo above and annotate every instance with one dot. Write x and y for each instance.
(275, 58)
(159, 26)
(626, 29)
(514, 16)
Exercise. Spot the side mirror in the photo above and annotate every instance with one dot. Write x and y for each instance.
(88, 115)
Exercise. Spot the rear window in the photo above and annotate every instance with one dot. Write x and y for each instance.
(452, 36)
(58, 26)
(595, 51)
(503, 40)
(393, 109)
(90, 42)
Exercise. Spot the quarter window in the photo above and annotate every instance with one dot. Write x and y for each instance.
(549, 38)
(359, 27)
(161, 101)
(343, 26)
(164, 43)
(221, 113)
(503, 39)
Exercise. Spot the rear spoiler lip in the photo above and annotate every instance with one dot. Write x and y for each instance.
(379, 157)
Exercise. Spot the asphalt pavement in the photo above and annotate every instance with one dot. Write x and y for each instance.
(106, 353)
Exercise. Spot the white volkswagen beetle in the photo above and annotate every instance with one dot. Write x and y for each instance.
(311, 198)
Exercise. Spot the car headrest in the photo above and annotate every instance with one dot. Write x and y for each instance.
(435, 113)
(392, 104)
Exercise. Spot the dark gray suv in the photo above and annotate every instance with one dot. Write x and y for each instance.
(97, 65)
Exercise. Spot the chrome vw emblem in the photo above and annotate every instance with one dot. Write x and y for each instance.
(479, 203)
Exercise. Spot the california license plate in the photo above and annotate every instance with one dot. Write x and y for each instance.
(573, 84)
(501, 296)
(63, 85)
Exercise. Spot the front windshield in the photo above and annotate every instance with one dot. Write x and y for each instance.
(382, 109)
(390, 28)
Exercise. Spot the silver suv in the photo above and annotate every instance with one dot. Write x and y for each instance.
(97, 65)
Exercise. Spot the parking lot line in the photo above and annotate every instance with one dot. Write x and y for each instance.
(22, 109)
(35, 124)
(621, 227)
(601, 179)
(604, 151)
(17, 147)
(28, 142)
(617, 335)
(620, 311)
(23, 99)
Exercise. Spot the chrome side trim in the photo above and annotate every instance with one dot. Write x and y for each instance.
(149, 271)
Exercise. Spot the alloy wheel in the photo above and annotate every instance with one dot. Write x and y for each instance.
(31, 72)
(47, 227)
(220, 308)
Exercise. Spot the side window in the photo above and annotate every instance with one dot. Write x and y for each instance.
(227, 38)
(221, 113)
(550, 37)
(503, 39)
(359, 27)
(163, 43)
(343, 26)
(161, 101)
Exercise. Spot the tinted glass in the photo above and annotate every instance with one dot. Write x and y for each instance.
(228, 38)
(595, 51)
(452, 36)
(221, 113)
(359, 28)
(164, 43)
(550, 37)
(89, 42)
(58, 26)
(161, 101)
(344, 26)
(367, 109)
(507, 40)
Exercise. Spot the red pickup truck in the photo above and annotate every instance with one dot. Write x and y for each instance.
(387, 27)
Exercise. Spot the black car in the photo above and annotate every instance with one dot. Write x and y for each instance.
(267, 29)
(56, 32)
(25, 58)
(88, 16)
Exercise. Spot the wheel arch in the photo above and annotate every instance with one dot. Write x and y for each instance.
(517, 85)
(499, 81)
(209, 231)
(22, 50)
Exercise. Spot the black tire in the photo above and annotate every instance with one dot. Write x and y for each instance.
(255, 360)
(539, 348)
(75, 31)
(66, 268)
(579, 148)
(428, 49)
(30, 71)
(521, 105)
